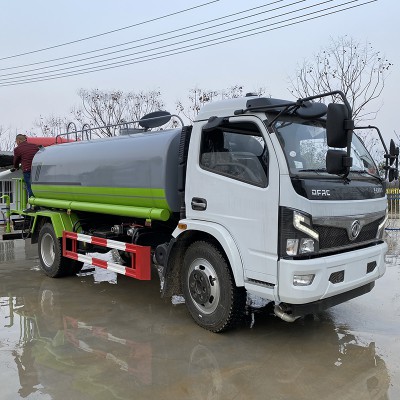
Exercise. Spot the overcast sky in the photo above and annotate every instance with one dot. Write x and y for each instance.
(263, 60)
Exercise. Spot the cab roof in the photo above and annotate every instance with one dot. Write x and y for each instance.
(226, 108)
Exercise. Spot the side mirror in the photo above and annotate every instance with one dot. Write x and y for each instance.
(393, 175)
(337, 162)
(337, 125)
(393, 152)
(392, 158)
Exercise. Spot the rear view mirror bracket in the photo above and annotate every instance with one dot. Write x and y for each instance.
(348, 124)
(391, 156)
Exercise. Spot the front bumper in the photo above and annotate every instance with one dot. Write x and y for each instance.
(353, 266)
(321, 305)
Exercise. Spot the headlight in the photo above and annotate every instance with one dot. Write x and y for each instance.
(292, 246)
(303, 224)
(307, 245)
(297, 237)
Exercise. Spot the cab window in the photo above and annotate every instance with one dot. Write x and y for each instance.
(237, 152)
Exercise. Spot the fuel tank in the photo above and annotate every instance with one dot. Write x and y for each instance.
(130, 172)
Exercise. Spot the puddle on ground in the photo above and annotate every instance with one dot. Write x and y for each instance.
(103, 336)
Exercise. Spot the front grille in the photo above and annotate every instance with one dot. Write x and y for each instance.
(331, 237)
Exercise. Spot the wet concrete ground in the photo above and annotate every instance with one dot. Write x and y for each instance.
(98, 336)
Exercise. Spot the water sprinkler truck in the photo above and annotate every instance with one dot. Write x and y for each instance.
(261, 197)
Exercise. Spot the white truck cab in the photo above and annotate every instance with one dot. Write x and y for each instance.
(297, 230)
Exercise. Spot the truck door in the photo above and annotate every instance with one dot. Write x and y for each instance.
(233, 180)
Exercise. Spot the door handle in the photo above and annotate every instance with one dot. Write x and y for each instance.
(198, 204)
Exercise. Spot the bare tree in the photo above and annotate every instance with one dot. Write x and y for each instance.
(142, 103)
(51, 126)
(397, 136)
(356, 69)
(197, 98)
(345, 64)
(101, 109)
(6, 140)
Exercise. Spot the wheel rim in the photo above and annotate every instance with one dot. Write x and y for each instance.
(47, 250)
(203, 286)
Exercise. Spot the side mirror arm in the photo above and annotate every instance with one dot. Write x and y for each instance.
(391, 156)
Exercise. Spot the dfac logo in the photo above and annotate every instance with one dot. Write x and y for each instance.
(320, 192)
(355, 229)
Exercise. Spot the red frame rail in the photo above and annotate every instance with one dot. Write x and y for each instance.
(140, 267)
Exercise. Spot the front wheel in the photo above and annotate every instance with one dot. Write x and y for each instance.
(211, 295)
(52, 261)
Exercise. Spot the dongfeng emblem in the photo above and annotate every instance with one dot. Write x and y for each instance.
(355, 229)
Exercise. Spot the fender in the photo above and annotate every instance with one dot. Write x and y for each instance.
(223, 237)
(61, 221)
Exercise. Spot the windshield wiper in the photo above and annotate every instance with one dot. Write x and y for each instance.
(363, 171)
(312, 170)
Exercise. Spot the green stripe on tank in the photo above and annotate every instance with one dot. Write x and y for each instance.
(140, 197)
(110, 209)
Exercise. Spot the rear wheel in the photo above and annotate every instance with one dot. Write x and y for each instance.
(50, 254)
(211, 295)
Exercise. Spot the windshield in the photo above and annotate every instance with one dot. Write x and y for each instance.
(304, 144)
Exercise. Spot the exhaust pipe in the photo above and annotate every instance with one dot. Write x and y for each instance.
(283, 315)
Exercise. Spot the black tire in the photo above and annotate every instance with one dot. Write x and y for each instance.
(50, 254)
(74, 267)
(211, 296)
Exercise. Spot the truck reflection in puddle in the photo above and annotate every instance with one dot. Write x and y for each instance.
(6, 251)
(64, 350)
(102, 344)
